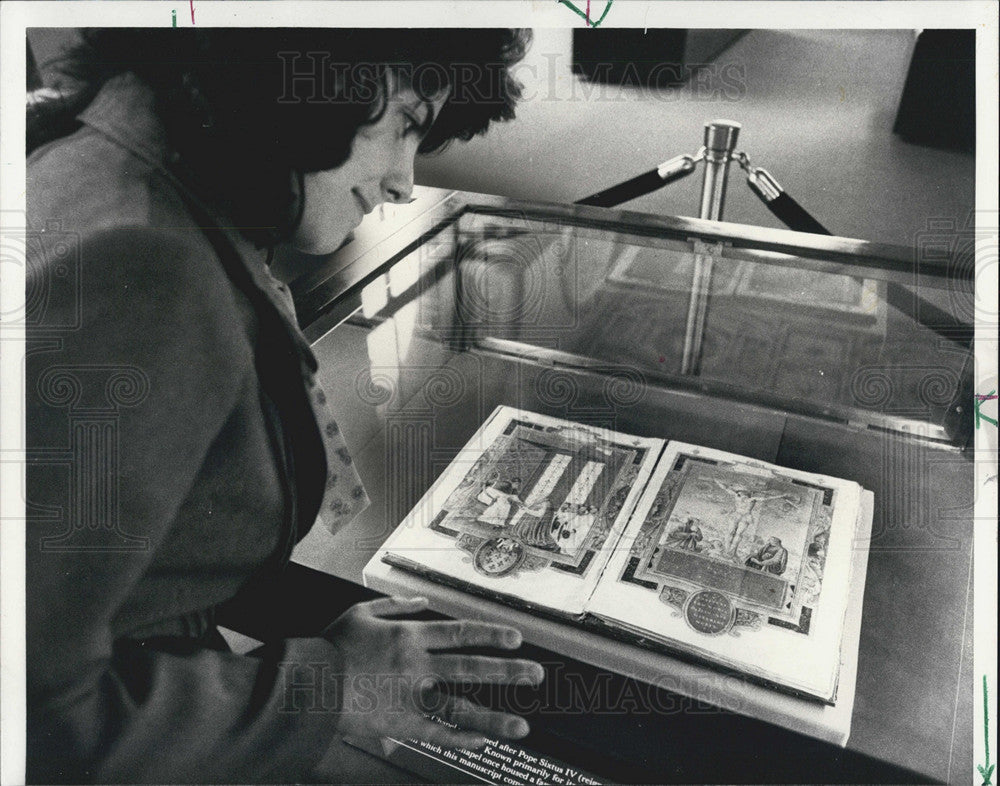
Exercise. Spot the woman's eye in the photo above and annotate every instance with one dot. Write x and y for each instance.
(411, 125)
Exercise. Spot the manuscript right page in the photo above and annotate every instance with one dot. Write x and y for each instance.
(740, 563)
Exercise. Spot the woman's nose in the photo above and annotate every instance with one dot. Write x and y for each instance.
(397, 185)
(398, 194)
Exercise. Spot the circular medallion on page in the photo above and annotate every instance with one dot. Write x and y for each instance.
(709, 612)
(498, 556)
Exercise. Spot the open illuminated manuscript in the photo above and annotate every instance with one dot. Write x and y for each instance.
(709, 555)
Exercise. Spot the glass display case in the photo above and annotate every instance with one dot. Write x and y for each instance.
(846, 331)
(823, 354)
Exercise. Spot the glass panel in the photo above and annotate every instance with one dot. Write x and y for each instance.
(834, 340)
(779, 330)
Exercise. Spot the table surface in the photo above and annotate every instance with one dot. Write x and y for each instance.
(438, 346)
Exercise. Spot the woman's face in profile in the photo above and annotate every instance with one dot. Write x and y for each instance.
(380, 169)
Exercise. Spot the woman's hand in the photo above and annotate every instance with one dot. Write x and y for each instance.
(393, 670)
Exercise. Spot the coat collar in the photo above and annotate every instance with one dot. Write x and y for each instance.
(124, 111)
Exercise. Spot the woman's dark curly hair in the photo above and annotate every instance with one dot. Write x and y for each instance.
(248, 110)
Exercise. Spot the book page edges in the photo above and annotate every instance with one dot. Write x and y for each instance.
(561, 630)
(702, 683)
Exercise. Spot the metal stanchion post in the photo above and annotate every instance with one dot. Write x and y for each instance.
(720, 142)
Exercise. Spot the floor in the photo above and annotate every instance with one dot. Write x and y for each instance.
(817, 109)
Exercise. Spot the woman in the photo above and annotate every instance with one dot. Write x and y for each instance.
(180, 446)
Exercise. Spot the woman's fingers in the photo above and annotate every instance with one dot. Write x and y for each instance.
(470, 716)
(479, 669)
(391, 607)
(469, 633)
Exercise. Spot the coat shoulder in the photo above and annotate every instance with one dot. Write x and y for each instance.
(111, 241)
